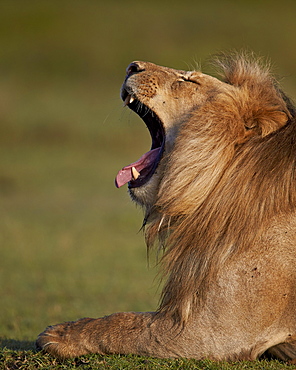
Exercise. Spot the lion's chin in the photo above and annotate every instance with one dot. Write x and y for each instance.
(145, 195)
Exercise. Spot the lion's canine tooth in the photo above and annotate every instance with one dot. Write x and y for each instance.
(135, 173)
(128, 100)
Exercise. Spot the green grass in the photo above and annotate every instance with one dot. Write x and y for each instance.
(11, 359)
(69, 240)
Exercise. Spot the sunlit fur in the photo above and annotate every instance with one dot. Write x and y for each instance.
(221, 207)
(218, 195)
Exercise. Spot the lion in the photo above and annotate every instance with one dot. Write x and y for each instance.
(218, 189)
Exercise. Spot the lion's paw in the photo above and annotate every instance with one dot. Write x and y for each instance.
(62, 340)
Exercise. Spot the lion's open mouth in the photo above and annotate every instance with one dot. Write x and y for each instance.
(139, 172)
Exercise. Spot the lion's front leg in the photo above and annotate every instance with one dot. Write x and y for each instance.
(118, 333)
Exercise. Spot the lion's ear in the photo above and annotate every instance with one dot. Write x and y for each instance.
(266, 121)
(263, 108)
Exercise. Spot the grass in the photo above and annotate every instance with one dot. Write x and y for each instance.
(30, 360)
(69, 240)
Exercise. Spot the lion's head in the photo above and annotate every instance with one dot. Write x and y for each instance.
(206, 173)
(246, 104)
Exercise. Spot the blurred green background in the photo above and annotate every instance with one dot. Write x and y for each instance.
(70, 244)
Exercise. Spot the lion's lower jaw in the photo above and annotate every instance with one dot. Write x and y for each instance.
(145, 195)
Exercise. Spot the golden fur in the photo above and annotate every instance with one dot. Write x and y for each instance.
(221, 205)
(241, 184)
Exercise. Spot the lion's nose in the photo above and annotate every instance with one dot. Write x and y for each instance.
(134, 67)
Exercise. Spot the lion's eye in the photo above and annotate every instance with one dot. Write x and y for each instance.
(189, 79)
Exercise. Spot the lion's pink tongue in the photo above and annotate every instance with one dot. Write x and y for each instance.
(147, 159)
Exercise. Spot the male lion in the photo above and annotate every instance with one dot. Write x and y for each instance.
(219, 192)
